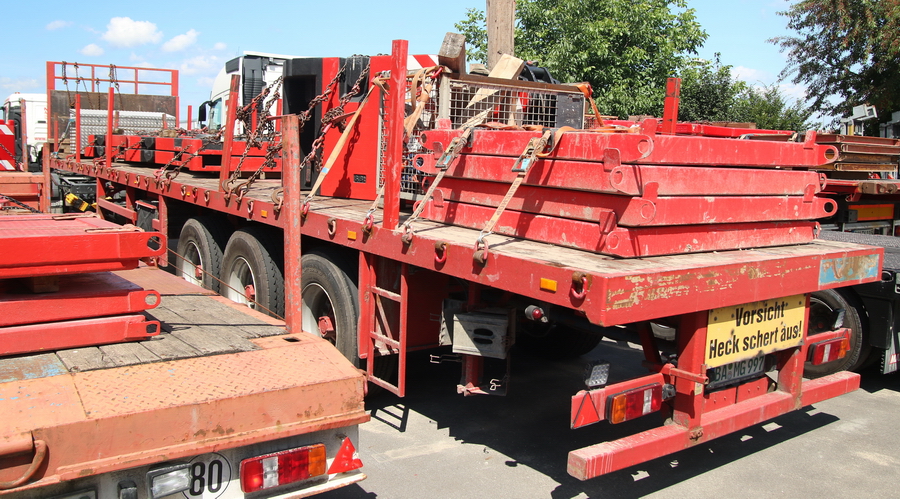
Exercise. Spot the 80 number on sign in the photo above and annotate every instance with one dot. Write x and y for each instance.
(210, 476)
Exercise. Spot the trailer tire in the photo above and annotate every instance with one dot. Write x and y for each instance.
(253, 257)
(556, 341)
(201, 244)
(823, 308)
(330, 291)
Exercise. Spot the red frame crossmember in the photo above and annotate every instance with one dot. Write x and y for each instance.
(698, 416)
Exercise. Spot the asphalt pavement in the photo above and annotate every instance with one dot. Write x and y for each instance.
(437, 444)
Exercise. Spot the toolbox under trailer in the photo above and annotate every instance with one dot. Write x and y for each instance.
(378, 288)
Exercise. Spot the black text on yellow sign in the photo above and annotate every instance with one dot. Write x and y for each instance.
(745, 331)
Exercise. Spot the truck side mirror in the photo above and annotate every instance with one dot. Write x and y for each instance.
(201, 113)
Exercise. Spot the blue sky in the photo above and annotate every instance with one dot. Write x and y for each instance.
(198, 37)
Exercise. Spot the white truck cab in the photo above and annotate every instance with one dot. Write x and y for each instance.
(256, 69)
(35, 111)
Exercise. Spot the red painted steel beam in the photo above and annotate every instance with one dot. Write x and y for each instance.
(603, 236)
(638, 211)
(47, 336)
(634, 179)
(670, 106)
(645, 149)
(79, 297)
(292, 213)
(600, 459)
(122, 211)
(51, 245)
(393, 131)
(229, 129)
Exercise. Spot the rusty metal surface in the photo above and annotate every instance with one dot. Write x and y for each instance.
(142, 414)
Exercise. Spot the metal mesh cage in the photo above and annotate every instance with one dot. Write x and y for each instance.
(459, 100)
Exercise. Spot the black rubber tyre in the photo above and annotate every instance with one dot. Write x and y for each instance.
(253, 257)
(824, 307)
(330, 291)
(555, 341)
(201, 246)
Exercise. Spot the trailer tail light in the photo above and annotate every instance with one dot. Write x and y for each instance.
(282, 468)
(827, 351)
(635, 403)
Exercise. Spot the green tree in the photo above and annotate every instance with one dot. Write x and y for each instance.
(709, 92)
(846, 52)
(625, 48)
(768, 108)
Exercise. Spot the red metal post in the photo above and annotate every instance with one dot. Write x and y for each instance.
(689, 394)
(229, 130)
(189, 110)
(670, 107)
(78, 128)
(109, 127)
(291, 211)
(393, 156)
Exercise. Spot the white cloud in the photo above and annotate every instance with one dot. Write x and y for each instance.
(751, 75)
(20, 85)
(125, 32)
(57, 25)
(145, 64)
(206, 81)
(220, 46)
(793, 91)
(181, 42)
(200, 64)
(92, 50)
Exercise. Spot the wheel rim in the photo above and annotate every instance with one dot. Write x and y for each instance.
(240, 279)
(316, 304)
(820, 315)
(191, 264)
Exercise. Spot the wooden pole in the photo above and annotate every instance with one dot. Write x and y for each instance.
(501, 20)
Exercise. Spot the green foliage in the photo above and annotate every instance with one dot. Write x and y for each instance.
(710, 93)
(475, 31)
(768, 108)
(625, 48)
(845, 49)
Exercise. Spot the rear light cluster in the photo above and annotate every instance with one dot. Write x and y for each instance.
(828, 351)
(634, 403)
(294, 465)
(282, 468)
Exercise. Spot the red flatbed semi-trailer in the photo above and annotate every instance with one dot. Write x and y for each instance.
(378, 288)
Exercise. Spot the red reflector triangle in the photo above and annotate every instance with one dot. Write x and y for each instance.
(587, 413)
(346, 460)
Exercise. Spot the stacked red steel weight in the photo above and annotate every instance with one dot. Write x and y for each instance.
(633, 192)
(56, 288)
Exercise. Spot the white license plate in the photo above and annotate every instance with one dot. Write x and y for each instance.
(736, 371)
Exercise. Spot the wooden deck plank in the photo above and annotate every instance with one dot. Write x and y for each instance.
(127, 354)
(84, 359)
(169, 347)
